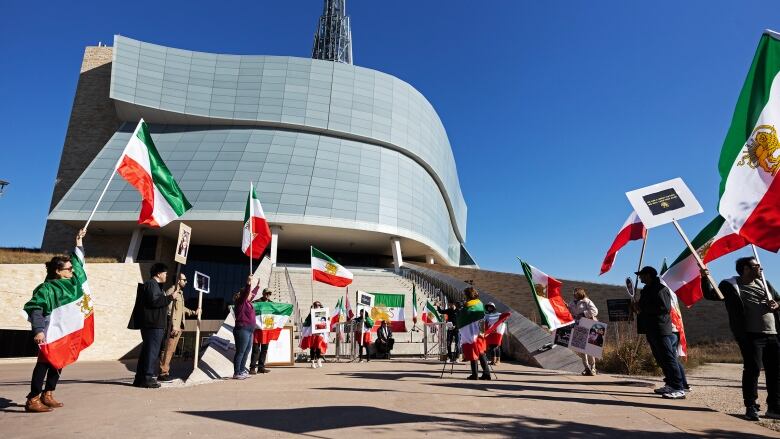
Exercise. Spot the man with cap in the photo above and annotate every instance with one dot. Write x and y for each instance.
(259, 349)
(654, 321)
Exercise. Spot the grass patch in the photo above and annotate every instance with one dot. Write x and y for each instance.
(36, 256)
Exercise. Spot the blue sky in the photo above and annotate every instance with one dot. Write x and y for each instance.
(554, 109)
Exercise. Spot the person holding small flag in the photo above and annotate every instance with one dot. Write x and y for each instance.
(65, 291)
(581, 307)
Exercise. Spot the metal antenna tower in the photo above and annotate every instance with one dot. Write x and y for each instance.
(333, 40)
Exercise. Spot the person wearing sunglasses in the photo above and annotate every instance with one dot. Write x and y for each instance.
(753, 320)
(177, 314)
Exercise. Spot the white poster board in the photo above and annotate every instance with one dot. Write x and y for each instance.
(320, 321)
(280, 351)
(202, 282)
(365, 301)
(183, 244)
(664, 202)
(588, 337)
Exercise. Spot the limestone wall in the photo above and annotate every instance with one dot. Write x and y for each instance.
(113, 290)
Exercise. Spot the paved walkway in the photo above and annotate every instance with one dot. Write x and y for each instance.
(402, 398)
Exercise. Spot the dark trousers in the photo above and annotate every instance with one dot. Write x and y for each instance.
(483, 363)
(364, 346)
(662, 347)
(758, 350)
(43, 372)
(149, 359)
(675, 348)
(453, 335)
(243, 338)
(315, 354)
(494, 352)
(259, 354)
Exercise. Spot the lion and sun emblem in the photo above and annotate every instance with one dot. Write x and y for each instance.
(761, 150)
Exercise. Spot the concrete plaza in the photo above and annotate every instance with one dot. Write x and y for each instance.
(399, 398)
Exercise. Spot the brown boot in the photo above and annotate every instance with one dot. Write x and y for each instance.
(35, 405)
(49, 401)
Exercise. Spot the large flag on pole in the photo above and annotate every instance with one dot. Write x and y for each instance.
(271, 317)
(140, 164)
(632, 230)
(547, 293)
(715, 240)
(348, 307)
(326, 270)
(70, 320)
(431, 314)
(750, 158)
(256, 235)
(336, 316)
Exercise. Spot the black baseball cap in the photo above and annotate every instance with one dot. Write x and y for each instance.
(647, 270)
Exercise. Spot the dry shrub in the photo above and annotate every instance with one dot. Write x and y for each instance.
(35, 256)
(628, 355)
(713, 352)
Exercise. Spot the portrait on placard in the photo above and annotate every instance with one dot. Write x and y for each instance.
(365, 301)
(320, 321)
(183, 244)
(202, 282)
(588, 337)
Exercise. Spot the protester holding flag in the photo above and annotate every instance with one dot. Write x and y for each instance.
(581, 307)
(654, 321)
(244, 327)
(317, 344)
(753, 319)
(470, 325)
(260, 344)
(495, 338)
(680, 346)
(65, 292)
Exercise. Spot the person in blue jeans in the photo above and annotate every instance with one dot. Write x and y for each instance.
(244, 328)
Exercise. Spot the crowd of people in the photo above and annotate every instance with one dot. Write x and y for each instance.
(159, 313)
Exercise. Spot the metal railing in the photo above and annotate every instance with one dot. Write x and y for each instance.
(437, 332)
(345, 340)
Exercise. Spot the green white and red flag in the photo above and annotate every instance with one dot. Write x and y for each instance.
(326, 270)
(677, 322)
(547, 293)
(389, 307)
(309, 340)
(338, 311)
(256, 234)
(270, 318)
(348, 307)
(431, 314)
(70, 320)
(750, 158)
(143, 168)
(715, 240)
(414, 304)
(495, 327)
(469, 322)
(632, 230)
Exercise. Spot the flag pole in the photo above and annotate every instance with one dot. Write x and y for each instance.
(763, 279)
(250, 227)
(100, 199)
(641, 259)
(698, 258)
(311, 279)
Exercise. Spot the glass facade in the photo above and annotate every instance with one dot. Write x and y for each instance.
(322, 141)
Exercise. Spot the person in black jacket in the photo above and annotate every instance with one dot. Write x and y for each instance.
(151, 316)
(384, 339)
(654, 321)
(753, 319)
(451, 314)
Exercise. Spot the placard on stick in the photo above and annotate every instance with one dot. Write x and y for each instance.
(664, 202)
(202, 282)
(320, 321)
(183, 244)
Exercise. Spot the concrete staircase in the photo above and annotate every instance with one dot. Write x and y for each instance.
(365, 279)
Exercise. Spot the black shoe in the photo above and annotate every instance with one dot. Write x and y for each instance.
(471, 377)
(165, 378)
(150, 384)
(485, 377)
(253, 371)
(751, 413)
(263, 370)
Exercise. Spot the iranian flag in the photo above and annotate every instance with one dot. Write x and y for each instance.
(389, 307)
(495, 327)
(632, 230)
(70, 320)
(348, 307)
(469, 324)
(257, 235)
(270, 317)
(750, 158)
(337, 313)
(324, 269)
(140, 164)
(431, 314)
(676, 315)
(414, 304)
(715, 240)
(309, 340)
(547, 292)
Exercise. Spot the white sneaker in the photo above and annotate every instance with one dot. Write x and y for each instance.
(676, 394)
(663, 390)
(361, 360)
(319, 362)
(313, 365)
